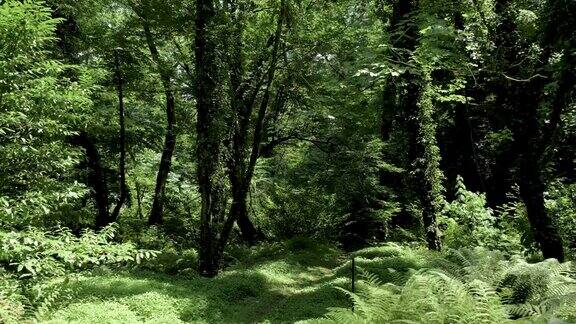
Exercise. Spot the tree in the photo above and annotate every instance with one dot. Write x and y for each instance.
(207, 132)
(243, 155)
(122, 139)
(170, 137)
(38, 105)
(413, 100)
(525, 97)
(245, 89)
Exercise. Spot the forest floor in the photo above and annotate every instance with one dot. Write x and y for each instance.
(278, 284)
(298, 280)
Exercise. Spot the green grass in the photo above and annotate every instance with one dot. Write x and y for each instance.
(299, 280)
(279, 283)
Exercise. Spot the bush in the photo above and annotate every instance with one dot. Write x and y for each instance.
(469, 223)
(561, 203)
(38, 263)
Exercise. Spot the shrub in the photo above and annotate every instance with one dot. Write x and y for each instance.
(38, 263)
(468, 223)
(561, 202)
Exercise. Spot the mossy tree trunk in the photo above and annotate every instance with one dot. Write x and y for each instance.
(208, 140)
(414, 102)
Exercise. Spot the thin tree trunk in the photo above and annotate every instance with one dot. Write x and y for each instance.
(242, 164)
(156, 212)
(122, 139)
(138, 200)
(241, 123)
(240, 172)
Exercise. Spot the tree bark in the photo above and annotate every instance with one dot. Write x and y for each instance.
(428, 173)
(418, 123)
(122, 139)
(208, 141)
(156, 212)
(527, 138)
(532, 140)
(96, 178)
(532, 193)
(245, 154)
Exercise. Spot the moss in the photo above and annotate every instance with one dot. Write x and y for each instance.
(276, 283)
(96, 312)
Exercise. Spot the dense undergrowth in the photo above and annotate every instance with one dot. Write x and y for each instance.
(301, 280)
(483, 275)
(407, 285)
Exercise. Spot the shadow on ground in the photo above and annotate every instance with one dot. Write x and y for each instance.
(280, 287)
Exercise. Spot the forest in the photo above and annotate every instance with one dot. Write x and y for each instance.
(283, 161)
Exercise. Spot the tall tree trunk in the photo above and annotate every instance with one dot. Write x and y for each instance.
(399, 102)
(415, 104)
(525, 98)
(208, 142)
(428, 172)
(535, 143)
(527, 138)
(122, 139)
(243, 160)
(96, 177)
(156, 211)
(249, 231)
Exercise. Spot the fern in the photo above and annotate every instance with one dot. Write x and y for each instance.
(40, 263)
(457, 286)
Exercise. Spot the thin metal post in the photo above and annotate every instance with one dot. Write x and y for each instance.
(353, 274)
(353, 278)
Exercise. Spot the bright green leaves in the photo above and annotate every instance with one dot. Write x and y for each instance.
(469, 222)
(37, 104)
(36, 253)
(39, 264)
(25, 28)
